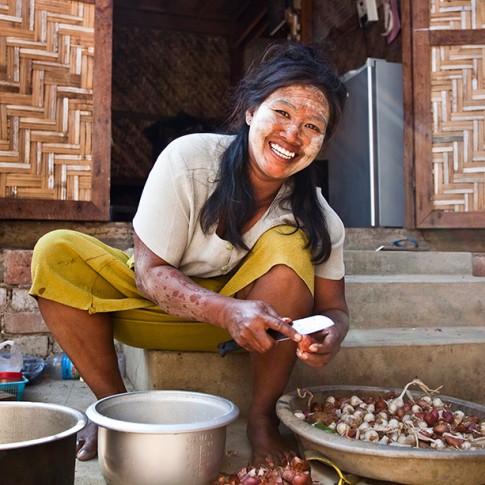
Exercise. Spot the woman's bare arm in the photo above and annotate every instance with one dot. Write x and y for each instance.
(178, 295)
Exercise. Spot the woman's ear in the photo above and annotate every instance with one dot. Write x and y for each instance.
(249, 117)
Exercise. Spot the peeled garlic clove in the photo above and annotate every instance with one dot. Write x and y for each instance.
(347, 409)
(342, 429)
(369, 417)
(392, 408)
(393, 423)
(371, 435)
(355, 401)
(359, 413)
(364, 426)
(381, 425)
(458, 417)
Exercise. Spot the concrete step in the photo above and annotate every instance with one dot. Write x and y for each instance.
(448, 356)
(372, 238)
(361, 262)
(428, 239)
(415, 300)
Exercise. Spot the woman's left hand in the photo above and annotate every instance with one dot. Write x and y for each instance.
(318, 349)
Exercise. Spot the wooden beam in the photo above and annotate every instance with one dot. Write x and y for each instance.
(155, 20)
(408, 112)
(306, 21)
(453, 37)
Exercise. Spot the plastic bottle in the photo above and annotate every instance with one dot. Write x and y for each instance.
(60, 366)
(11, 358)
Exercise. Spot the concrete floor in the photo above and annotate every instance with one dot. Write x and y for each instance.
(76, 394)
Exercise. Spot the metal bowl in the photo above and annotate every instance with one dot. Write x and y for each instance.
(412, 466)
(38, 442)
(161, 437)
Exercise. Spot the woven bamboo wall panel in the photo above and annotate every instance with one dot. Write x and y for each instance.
(46, 99)
(458, 143)
(156, 75)
(457, 14)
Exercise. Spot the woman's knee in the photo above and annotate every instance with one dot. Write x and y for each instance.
(53, 252)
(286, 278)
(283, 282)
(50, 243)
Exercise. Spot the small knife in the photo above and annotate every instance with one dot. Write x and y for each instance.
(303, 326)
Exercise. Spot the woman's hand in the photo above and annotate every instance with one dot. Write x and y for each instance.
(318, 349)
(248, 321)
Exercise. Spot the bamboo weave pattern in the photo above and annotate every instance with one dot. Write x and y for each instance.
(46, 80)
(458, 110)
(457, 14)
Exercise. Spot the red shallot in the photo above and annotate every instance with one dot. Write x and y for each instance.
(294, 471)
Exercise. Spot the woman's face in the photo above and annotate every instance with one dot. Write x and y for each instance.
(286, 131)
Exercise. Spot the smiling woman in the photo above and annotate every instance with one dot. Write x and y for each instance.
(232, 239)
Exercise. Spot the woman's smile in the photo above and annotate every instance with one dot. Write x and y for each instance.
(282, 152)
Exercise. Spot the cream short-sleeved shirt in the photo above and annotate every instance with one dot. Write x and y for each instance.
(168, 215)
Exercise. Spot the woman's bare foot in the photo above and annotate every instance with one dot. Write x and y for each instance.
(267, 444)
(87, 442)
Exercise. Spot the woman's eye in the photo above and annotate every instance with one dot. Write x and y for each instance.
(314, 127)
(283, 113)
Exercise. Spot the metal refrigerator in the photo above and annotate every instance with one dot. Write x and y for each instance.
(365, 156)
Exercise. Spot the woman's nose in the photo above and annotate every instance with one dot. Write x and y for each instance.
(293, 134)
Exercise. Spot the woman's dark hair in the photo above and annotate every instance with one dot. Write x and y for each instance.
(282, 65)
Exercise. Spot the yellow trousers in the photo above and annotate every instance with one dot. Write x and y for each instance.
(80, 271)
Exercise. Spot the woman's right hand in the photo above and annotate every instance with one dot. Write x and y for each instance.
(248, 321)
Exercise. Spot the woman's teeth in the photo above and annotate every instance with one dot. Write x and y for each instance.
(281, 151)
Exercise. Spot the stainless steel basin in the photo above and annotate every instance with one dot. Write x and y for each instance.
(38, 442)
(161, 437)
